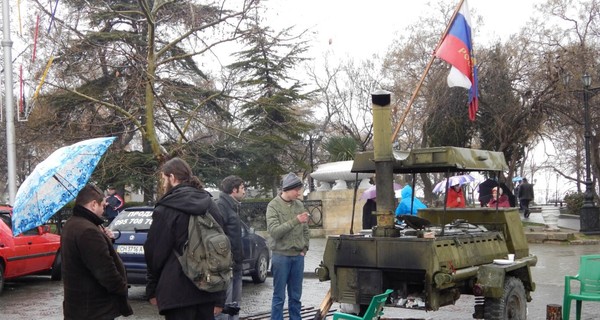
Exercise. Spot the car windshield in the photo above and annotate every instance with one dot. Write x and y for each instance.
(132, 220)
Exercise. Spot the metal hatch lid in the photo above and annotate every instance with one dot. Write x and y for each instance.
(436, 159)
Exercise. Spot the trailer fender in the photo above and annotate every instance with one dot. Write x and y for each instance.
(490, 281)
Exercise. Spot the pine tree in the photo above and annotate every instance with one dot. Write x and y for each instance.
(271, 102)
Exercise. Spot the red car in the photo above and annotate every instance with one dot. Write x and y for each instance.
(32, 252)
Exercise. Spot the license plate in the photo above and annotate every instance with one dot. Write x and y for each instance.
(130, 249)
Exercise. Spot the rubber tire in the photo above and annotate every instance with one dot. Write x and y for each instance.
(56, 272)
(512, 305)
(259, 275)
(1, 277)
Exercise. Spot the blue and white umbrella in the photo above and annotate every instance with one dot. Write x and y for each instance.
(454, 180)
(56, 181)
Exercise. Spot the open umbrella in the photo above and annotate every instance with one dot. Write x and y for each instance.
(517, 179)
(371, 192)
(454, 180)
(56, 181)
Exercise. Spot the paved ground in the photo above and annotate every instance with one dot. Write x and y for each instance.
(37, 297)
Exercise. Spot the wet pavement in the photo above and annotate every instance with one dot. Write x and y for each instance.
(37, 297)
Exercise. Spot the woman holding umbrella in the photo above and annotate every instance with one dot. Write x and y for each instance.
(455, 197)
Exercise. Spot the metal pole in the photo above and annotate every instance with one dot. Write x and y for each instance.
(8, 95)
(556, 193)
(589, 220)
(311, 185)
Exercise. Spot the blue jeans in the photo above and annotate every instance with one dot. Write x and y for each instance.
(287, 271)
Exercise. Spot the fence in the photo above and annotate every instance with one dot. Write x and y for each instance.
(254, 214)
(251, 213)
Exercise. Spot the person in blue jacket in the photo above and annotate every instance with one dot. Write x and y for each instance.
(404, 207)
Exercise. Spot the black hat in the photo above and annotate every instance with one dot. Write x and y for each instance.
(291, 181)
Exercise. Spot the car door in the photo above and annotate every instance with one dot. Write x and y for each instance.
(15, 249)
(248, 248)
(40, 252)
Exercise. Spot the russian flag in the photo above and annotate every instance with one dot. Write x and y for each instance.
(457, 49)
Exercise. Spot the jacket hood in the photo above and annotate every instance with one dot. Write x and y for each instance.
(406, 192)
(187, 199)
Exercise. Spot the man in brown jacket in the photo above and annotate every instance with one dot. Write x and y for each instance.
(95, 283)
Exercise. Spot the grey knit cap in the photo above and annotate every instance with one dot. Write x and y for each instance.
(291, 181)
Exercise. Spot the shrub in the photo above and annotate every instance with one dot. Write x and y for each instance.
(574, 202)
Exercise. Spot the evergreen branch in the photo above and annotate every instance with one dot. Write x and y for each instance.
(103, 103)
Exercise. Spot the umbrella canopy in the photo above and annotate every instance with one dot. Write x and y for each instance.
(371, 192)
(517, 179)
(454, 180)
(56, 181)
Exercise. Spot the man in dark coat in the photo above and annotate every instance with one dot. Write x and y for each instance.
(168, 287)
(114, 203)
(232, 192)
(94, 279)
(526, 196)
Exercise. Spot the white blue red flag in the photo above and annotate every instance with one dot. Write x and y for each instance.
(457, 49)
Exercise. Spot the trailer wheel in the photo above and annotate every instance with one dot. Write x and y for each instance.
(512, 305)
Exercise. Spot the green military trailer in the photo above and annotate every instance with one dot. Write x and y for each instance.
(447, 253)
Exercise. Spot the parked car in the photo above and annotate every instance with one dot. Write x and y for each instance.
(131, 230)
(36, 251)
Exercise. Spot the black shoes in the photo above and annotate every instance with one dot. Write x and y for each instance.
(526, 214)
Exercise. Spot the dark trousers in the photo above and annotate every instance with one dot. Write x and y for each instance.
(203, 311)
(525, 206)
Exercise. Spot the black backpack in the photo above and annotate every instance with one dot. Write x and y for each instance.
(206, 258)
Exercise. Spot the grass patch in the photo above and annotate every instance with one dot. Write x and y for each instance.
(532, 224)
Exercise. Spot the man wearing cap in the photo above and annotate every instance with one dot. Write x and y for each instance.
(287, 224)
(525, 196)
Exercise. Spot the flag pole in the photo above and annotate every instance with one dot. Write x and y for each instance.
(416, 91)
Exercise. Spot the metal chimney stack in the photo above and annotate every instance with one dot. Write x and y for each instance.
(384, 161)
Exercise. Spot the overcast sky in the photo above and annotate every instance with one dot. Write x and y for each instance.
(357, 27)
(357, 30)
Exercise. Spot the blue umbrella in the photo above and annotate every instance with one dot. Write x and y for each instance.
(517, 179)
(56, 181)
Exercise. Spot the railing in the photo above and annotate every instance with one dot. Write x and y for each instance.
(60, 217)
(254, 214)
(251, 213)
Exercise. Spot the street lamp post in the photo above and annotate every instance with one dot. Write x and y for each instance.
(589, 214)
(311, 185)
(313, 140)
(556, 193)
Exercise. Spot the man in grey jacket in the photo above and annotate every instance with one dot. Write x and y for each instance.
(232, 192)
(287, 224)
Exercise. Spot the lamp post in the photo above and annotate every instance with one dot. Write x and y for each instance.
(589, 215)
(556, 193)
(311, 185)
(589, 220)
(313, 138)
